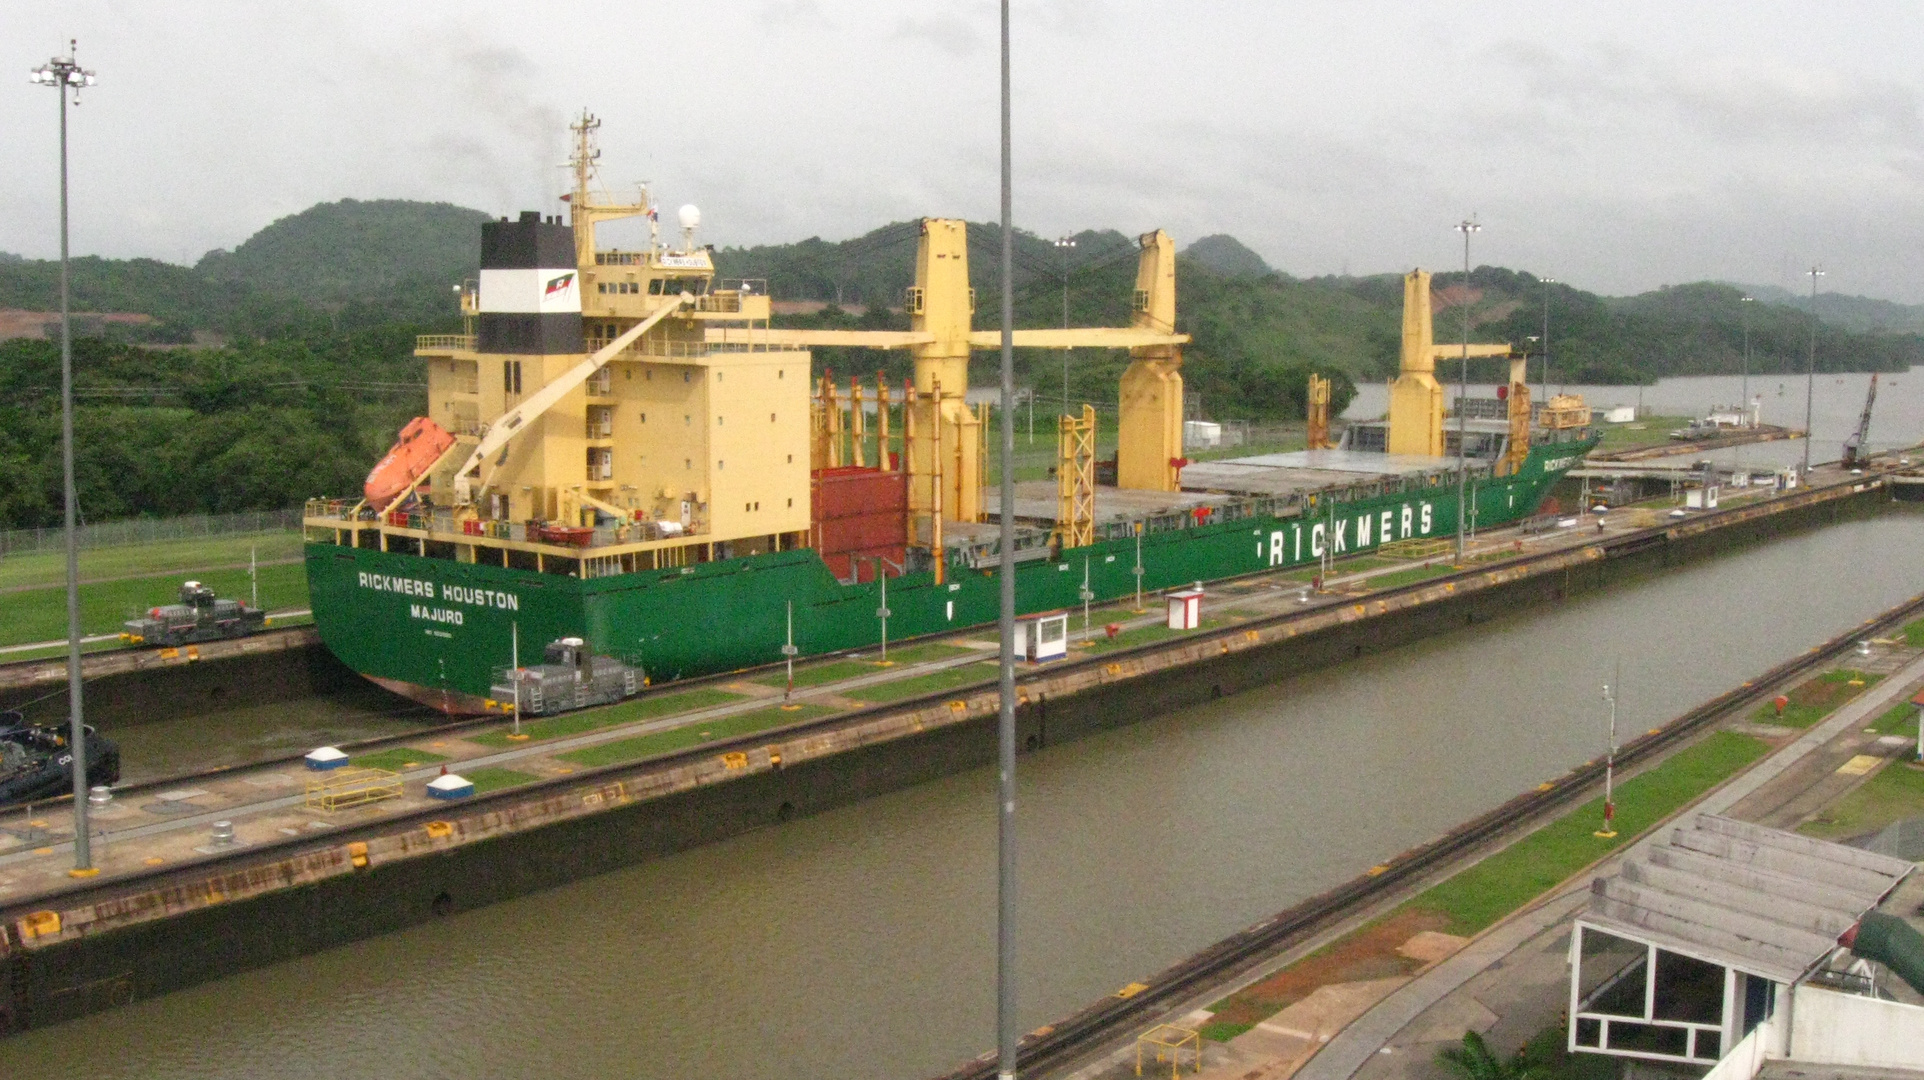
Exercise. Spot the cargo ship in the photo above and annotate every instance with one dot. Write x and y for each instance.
(622, 449)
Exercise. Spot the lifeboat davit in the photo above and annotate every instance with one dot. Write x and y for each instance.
(421, 444)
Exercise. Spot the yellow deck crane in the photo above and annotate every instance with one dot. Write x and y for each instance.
(940, 307)
(1416, 398)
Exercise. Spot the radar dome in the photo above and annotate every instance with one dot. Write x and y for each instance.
(690, 216)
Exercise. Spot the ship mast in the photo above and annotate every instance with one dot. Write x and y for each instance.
(584, 210)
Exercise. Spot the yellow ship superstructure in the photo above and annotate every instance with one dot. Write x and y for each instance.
(621, 410)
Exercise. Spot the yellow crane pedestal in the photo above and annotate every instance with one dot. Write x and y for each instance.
(1149, 420)
(1416, 399)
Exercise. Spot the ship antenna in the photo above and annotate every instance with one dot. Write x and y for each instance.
(583, 163)
(586, 153)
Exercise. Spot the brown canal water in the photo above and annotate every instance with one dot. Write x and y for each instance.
(860, 943)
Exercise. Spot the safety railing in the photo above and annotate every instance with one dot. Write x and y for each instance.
(444, 343)
(342, 789)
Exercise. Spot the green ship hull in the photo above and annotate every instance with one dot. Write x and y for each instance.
(440, 631)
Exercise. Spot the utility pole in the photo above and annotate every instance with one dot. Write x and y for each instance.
(1005, 1022)
(1609, 830)
(1810, 371)
(788, 653)
(514, 658)
(882, 611)
(63, 74)
(1543, 388)
(1466, 227)
(1065, 244)
(1746, 302)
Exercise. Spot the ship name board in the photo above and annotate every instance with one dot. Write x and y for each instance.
(455, 594)
(1555, 464)
(435, 614)
(1350, 532)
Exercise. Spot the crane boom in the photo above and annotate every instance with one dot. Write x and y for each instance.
(1854, 446)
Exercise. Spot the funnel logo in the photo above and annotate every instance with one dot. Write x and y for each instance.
(558, 286)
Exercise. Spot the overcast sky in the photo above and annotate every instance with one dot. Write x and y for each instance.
(1617, 147)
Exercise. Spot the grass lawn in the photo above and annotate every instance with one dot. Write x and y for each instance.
(1649, 431)
(818, 673)
(923, 684)
(661, 742)
(628, 712)
(41, 614)
(1914, 634)
(1504, 882)
(494, 778)
(923, 652)
(1409, 577)
(164, 556)
(1816, 698)
(1140, 635)
(1895, 793)
(1900, 719)
(1479, 895)
(396, 759)
(869, 663)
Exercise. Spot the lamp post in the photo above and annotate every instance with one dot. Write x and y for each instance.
(1609, 830)
(1543, 388)
(63, 74)
(1005, 1022)
(1810, 370)
(788, 653)
(1746, 301)
(1065, 245)
(1466, 227)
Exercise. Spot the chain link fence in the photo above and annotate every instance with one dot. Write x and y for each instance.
(150, 530)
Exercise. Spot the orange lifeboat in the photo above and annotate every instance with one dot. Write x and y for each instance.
(422, 442)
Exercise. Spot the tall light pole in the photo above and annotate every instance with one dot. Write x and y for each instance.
(64, 75)
(1005, 728)
(1065, 244)
(1609, 829)
(1810, 370)
(1543, 388)
(1466, 227)
(1746, 301)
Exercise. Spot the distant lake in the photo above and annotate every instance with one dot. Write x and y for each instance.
(1837, 401)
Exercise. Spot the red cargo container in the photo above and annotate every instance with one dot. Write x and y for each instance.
(860, 514)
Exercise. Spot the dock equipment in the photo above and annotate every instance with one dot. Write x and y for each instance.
(1170, 1043)
(342, 789)
(1854, 446)
(1318, 399)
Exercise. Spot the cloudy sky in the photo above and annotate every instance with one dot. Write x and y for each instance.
(1617, 147)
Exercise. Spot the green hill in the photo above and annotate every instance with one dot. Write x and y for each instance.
(334, 267)
(386, 251)
(1226, 255)
(1850, 312)
(1258, 334)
